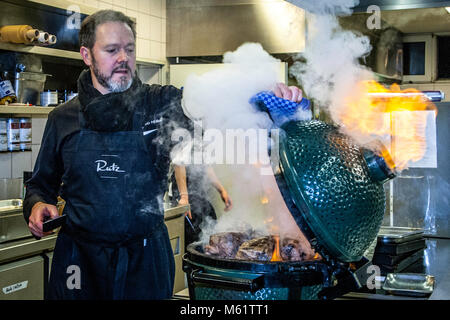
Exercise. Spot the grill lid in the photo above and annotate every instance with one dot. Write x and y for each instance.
(332, 186)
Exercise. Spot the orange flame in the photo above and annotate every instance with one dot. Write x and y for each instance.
(387, 114)
(276, 256)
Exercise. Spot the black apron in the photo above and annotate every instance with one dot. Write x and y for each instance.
(114, 244)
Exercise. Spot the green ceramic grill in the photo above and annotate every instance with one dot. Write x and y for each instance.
(339, 195)
(334, 191)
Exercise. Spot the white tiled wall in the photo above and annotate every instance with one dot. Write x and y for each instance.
(12, 164)
(20, 162)
(150, 18)
(150, 74)
(5, 165)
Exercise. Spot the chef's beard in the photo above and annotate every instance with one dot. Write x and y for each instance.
(123, 84)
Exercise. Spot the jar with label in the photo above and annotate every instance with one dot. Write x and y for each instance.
(3, 135)
(25, 134)
(13, 132)
(7, 94)
(49, 98)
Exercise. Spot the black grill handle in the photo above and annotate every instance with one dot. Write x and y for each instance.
(348, 281)
(235, 283)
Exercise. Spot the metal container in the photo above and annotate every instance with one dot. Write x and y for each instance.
(3, 134)
(13, 132)
(390, 264)
(400, 248)
(71, 95)
(409, 284)
(25, 134)
(12, 223)
(49, 98)
(28, 86)
(399, 234)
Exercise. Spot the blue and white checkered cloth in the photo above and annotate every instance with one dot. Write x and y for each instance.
(279, 106)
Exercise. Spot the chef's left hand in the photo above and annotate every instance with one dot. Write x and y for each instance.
(289, 93)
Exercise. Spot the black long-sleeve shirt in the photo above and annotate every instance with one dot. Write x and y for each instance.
(162, 110)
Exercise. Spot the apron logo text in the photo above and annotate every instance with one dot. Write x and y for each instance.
(102, 166)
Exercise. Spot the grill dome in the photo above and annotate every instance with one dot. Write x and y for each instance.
(330, 183)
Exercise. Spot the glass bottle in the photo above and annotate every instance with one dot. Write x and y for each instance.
(7, 94)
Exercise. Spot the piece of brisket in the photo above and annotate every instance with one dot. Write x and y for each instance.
(225, 244)
(296, 250)
(260, 249)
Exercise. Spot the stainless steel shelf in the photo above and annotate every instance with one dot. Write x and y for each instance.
(24, 110)
(62, 53)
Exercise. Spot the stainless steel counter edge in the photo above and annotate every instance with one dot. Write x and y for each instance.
(27, 247)
(175, 212)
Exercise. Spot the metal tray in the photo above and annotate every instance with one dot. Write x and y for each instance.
(10, 205)
(399, 234)
(409, 284)
(396, 249)
(393, 260)
(404, 264)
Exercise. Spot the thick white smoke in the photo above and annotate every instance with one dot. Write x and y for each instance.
(220, 98)
(332, 71)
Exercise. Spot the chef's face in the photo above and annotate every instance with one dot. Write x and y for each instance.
(112, 59)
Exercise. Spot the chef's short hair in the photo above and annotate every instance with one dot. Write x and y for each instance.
(89, 25)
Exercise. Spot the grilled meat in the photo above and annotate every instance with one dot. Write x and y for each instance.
(260, 249)
(296, 250)
(225, 244)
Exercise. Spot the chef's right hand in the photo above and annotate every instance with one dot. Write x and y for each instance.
(39, 213)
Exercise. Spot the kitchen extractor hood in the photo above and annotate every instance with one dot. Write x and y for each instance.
(386, 56)
(363, 5)
(400, 5)
(210, 28)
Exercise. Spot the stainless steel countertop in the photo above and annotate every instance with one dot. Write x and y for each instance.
(174, 212)
(436, 263)
(26, 247)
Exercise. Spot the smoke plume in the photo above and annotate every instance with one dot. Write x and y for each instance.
(220, 99)
(330, 71)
